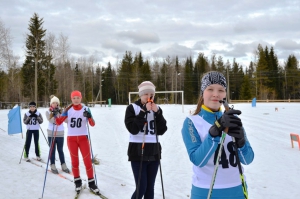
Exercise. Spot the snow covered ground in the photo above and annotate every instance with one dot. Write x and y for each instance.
(274, 173)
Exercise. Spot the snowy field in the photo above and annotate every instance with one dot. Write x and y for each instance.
(274, 173)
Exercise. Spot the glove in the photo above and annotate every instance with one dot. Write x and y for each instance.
(87, 114)
(227, 120)
(240, 142)
(55, 111)
(33, 115)
(238, 133)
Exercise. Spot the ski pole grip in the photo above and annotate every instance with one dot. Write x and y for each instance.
(227, 109)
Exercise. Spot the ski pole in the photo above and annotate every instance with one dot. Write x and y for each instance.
(49, 156)
(217, 160)
(141, 163)
(23, 147)
(45, 136)
(87, 124)
(159, 156)
(244, 187)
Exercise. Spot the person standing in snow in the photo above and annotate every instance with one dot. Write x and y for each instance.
(78, 115)
(201, 134)
(56, 133)
(144, 164)
(32, 119)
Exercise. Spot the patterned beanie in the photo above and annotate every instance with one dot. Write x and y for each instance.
(146, 87)
(213, 77)
(76, 93)
(54, 99)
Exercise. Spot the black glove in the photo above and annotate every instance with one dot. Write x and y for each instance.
(55, 111)
(238, 134)
(87, 114)
(240, 142)
(33, 115)
(228, 119)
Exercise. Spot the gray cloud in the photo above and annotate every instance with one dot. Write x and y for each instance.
(173, 50)
(287, 44)
(140, 36)
(201, 45)
(79, 50)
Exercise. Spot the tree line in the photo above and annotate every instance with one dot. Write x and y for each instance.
(59, 74)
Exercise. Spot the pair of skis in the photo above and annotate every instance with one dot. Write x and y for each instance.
(37, 163)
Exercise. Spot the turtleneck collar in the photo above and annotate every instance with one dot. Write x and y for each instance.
(77, 107)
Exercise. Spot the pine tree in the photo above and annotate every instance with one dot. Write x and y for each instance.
(220, 65)
(108, 90)
(125, 77)
(35, 50)
(201, 67)
(188, 82)
(246, 89)
(274, 74)
(253, 83)
(262, 73)
(292, 77)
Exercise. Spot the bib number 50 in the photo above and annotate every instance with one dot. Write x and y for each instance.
(76, 122)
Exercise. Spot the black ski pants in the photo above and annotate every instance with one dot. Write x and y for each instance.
(147, 181)
(29, 134)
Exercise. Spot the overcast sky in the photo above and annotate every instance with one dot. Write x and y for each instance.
(158, 28)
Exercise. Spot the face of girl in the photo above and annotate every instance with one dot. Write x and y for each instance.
(76, 100)
(54, 104)
(212, 95)
(32, 108)
(145, 97)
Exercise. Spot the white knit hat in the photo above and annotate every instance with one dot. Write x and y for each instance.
(146, 87)
(54, 99)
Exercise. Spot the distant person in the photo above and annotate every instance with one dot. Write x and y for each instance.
(144, 163)
(32, 119)
(78, 115)
(201, 134)
(56, 133)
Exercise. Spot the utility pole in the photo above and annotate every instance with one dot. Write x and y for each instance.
(100, 84)
(176, 88)
(35, 71)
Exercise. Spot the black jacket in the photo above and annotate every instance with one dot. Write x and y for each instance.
(134, 123)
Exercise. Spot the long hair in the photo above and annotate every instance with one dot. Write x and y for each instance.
(199, 104)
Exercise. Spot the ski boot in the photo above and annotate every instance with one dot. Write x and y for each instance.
(93, 187)
(78, 184)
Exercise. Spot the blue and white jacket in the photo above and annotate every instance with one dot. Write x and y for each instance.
(202, 149)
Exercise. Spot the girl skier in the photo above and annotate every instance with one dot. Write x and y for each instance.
(77, 116)
(201, 134)
(144, 162)
(57, 134)
(32, 119)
